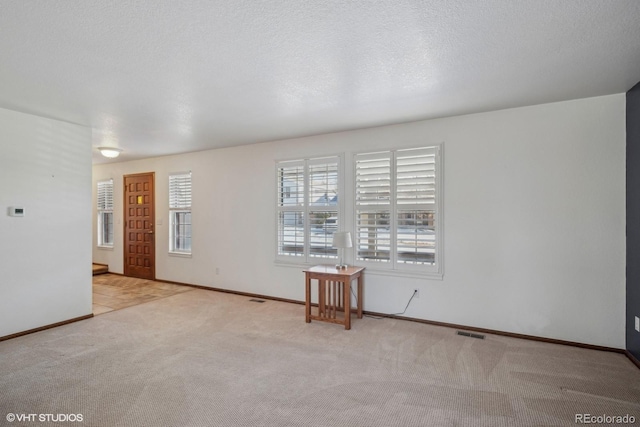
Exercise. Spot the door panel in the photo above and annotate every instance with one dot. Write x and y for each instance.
(139, 234)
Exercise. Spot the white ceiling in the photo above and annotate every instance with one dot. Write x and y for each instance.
(160, 77)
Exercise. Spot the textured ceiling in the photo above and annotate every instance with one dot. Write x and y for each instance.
(164, 76)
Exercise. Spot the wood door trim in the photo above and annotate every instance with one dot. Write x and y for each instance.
(129, 175)
(153, 219)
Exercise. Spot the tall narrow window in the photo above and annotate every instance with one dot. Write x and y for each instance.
(180, 213)
(398, 208)
(308, 208)
(291, 209)
(105, 213)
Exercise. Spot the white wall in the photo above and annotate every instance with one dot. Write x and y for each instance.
(45, 275)
(534, 219)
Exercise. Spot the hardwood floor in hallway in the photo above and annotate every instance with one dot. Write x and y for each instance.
(113, 292)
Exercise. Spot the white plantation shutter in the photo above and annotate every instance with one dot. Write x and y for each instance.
(373, 179)
(180, 213)
(323, 183)
(105, 195)
(373, 235)
(105, 212)
(291, 233)
(180, 191)
(416, 176)
(291, 184)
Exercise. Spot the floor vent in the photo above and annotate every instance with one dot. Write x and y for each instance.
(470, 334)
(256, 300)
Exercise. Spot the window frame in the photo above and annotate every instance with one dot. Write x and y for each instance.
(104, 209)
(393, 266)
(306, 257)
(180, 207)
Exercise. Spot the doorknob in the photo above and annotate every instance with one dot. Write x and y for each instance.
(150, 232)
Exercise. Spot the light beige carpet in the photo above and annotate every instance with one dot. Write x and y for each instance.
(204, 358)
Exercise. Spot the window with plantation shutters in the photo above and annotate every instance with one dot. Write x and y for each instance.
(180, 213)
(307, 208)
(398, 210)
(105, 213)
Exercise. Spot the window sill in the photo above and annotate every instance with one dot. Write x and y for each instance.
(105, 248)
(303, 264)
(370, 270)
(180, 254)
(427, 275)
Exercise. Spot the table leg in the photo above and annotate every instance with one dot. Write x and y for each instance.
(360, 296)
(347, 304)
(322, 290)
(307, 304)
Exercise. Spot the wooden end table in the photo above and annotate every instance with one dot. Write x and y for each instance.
(334, 293)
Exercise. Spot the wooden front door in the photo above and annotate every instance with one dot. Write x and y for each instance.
(139, 233)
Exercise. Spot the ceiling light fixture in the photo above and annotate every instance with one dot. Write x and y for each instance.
(110, 152)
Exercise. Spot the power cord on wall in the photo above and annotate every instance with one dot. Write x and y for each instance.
(415, 291)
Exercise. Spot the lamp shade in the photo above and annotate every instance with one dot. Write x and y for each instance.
(110, 152)
(342, 239)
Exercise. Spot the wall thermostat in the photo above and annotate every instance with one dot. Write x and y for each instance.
(16, 211)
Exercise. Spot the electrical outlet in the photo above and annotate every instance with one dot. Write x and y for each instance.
(416, 293)
(637, 323)
(217, 271)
